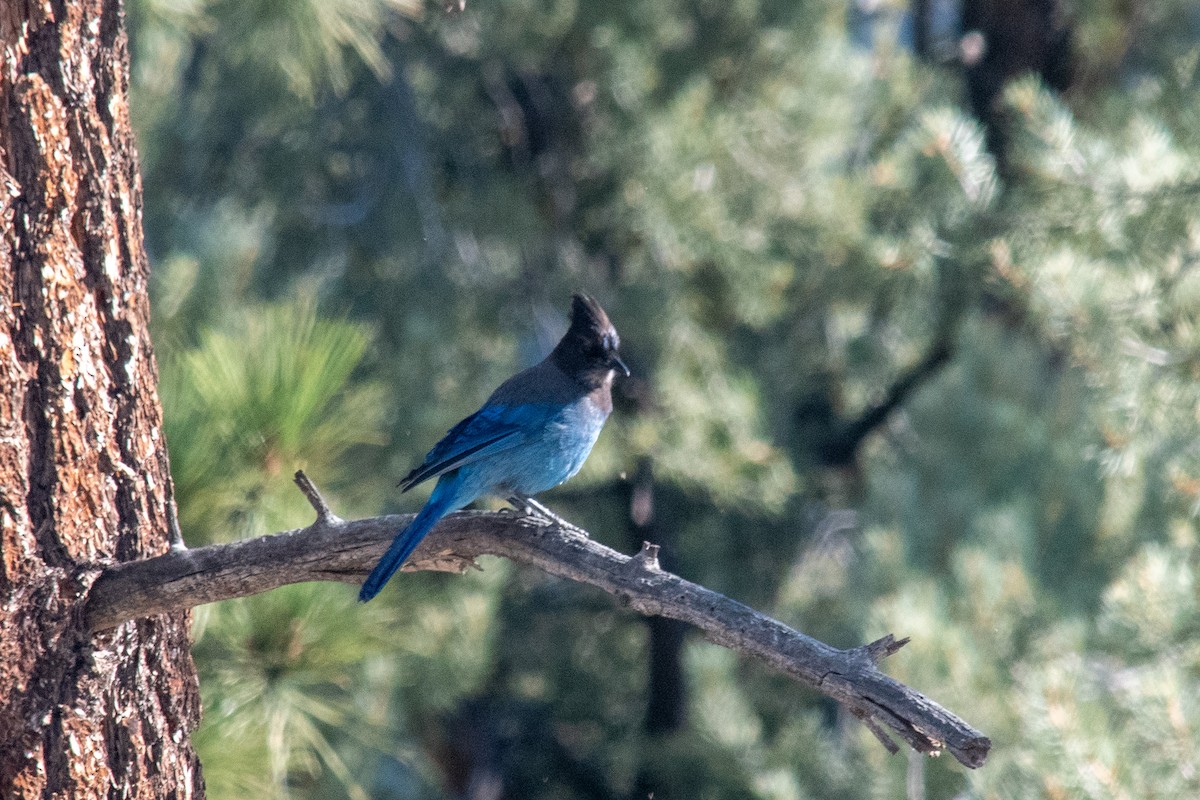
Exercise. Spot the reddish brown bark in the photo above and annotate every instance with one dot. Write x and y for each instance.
(83, 470)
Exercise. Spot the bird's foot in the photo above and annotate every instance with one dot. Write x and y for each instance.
(527, 505)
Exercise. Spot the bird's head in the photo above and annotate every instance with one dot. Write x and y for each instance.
(588, 350)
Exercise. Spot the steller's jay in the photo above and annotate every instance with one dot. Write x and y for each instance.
(532, 434)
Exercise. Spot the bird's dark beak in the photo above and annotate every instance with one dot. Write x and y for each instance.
(616, 363)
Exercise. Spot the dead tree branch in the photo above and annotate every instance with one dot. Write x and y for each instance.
(332, 549)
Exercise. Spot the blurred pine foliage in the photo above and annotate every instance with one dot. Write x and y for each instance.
(882, 382)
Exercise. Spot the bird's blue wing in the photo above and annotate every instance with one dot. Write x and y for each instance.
(488, 431)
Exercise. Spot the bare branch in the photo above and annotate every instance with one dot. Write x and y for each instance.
(325, 515)
(884, 647)
(335, 550)
(879, 732)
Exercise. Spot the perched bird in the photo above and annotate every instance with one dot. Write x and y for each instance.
(532, 434)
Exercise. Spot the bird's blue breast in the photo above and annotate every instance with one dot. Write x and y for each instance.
(556, 442)
(564, 446)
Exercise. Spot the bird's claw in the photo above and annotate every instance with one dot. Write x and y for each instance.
(532, 508)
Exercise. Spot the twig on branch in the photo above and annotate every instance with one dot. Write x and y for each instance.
(325, 515)
(332, 549)
(879, 732)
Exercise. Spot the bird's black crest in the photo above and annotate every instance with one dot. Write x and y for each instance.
(588, 350)
(589, 320)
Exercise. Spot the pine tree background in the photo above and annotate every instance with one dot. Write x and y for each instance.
(915, 334)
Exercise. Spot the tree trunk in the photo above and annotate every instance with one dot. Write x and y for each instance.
(83, 469)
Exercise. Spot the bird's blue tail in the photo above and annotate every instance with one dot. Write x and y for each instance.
(402, 546)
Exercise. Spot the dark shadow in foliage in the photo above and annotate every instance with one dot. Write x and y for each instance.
(666, 682)
(497, 748)
(1004, 39)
